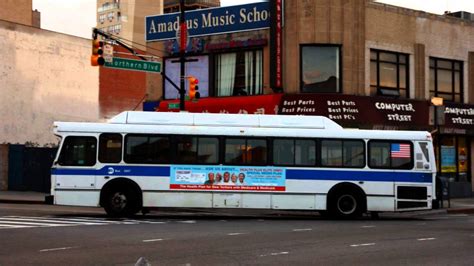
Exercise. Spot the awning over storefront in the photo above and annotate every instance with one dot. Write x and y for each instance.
(347, 110)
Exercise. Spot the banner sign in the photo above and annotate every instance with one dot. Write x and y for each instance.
(276, 46)
(235, 178)
(210, 21)
(351, 110)
(459, 116)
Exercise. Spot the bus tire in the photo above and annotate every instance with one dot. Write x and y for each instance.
(346, 203)
(121, 201)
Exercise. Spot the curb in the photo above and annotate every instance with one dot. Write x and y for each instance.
(12, 201)
(461, 211)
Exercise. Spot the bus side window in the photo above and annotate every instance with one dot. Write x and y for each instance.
(390, 154)
(78, 151)
(110, 148)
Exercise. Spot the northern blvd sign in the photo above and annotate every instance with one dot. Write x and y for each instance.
(137, 65)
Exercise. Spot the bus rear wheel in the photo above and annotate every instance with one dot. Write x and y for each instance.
(345, 204)
(121, 202)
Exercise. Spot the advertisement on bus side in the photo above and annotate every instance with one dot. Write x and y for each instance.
(235, 178)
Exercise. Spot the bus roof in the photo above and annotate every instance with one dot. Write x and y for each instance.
(228, 120)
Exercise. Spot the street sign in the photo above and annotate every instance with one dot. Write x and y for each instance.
(108, 53)
(173, 106)
(136, 65)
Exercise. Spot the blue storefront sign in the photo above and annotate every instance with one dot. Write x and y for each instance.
(210, 21)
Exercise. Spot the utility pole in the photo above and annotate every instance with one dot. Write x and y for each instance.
(182, 53)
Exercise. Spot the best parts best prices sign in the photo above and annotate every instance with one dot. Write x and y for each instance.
(210, 21)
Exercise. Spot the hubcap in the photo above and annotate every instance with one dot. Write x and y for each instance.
(346, 204)
(119, 201)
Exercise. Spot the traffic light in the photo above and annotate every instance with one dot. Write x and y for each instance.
(193, 88)
(97, 51)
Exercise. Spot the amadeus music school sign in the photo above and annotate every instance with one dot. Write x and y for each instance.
(210, 21)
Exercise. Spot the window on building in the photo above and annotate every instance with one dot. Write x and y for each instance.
(78, 151)
(389, 74)
(110, 148)
(239, 73)
(320, 68)
(446, 79)
(390, 155)
(246, 151)
(147, 149)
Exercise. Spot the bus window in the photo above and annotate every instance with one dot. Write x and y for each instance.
(78, 151)
(354, 153)
(284, 152)
(147, 149)
(110, 148)
(256, 151)
(305, 152)
(391, 155)
(294, 152)
(342, 153)
(331, 153)
(208, 150)
(197, 150)
(246, 151)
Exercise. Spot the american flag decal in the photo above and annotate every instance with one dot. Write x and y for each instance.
(401, 151)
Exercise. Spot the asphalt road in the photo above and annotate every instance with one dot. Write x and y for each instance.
(53, 235)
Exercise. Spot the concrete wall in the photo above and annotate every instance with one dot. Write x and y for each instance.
(44, 77)
(325, 22)
(18, 11)
(421, 35)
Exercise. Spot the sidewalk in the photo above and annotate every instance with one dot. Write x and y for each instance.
(458, 206)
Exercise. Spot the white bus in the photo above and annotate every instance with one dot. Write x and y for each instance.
(140, 160)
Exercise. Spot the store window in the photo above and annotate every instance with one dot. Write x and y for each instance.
(454, 159)
(320, 68)
(446, 79)
(239, 73)
(389, 74)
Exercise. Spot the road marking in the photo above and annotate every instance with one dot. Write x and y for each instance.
(426, 239)
(55, 249)
(41, 220)
(33, 223)
(457, 215)
(6, 226)
(187, 222)
(153, 240)
(260, 220)
(236, 234)
(302, 229)
(362, 245)
(368, 226)
(275, 254)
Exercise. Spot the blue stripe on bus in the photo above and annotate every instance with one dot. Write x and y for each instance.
(113, 170)
(358, 176)
(294, 174)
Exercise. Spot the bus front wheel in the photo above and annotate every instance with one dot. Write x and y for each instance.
(121, 202)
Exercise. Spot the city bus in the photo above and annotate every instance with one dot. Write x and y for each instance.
(142, 160)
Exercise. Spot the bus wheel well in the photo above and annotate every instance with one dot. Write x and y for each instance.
(347, 188)
(121, 183)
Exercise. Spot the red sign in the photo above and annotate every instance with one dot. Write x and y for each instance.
(276, 45)
(260, 104)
